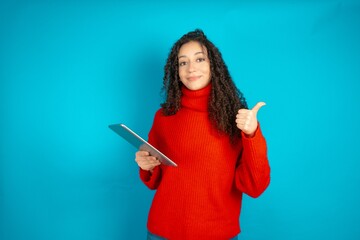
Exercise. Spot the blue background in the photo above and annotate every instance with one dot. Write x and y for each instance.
(68, 69)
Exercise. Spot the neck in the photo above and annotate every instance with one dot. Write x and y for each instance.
(197, 100)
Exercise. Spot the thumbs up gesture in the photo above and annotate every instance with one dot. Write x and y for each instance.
(246, 119)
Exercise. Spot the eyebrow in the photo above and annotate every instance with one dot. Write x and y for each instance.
(194, 54)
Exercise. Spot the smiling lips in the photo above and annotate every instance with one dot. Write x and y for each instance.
(193, 78)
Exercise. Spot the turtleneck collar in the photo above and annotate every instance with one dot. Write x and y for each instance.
(197, 100)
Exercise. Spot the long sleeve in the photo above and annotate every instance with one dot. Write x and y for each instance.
(152, 180)
(253, 172)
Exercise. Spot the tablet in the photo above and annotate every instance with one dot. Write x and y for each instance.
(131, 137)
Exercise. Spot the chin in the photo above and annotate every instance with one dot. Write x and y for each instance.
(200, 86)
(194, 87)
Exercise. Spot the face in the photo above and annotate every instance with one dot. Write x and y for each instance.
(194, 65)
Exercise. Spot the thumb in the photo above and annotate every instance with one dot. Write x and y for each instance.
(257, 107)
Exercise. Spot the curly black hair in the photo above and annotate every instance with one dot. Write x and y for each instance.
(225, 99)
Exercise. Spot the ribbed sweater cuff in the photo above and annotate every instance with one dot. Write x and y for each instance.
(256, 146)
(150, 179)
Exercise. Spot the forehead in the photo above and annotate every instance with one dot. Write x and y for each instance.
(191, 48)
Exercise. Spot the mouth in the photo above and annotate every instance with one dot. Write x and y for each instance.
(193, 78)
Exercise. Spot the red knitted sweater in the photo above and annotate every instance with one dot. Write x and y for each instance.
(201, 198)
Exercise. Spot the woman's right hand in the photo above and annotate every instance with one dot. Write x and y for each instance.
(146, 161)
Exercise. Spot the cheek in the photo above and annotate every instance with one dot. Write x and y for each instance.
(206, 67)
(181, 74)
(206, 70)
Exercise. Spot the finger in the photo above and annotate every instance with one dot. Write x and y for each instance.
(242, 116)
(145, 160)
(152, 164)
(246, 116)
(241, 121)
(157, 163)
(150, 159)
(147, 165)
(243, 110)
(142, 153)
(258, 106)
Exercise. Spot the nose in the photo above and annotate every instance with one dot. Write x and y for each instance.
(191, 67)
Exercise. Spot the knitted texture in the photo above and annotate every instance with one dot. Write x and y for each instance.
(201, 198)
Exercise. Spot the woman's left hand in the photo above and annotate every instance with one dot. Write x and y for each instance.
(246, 119)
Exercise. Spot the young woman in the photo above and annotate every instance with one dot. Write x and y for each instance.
(205, 127)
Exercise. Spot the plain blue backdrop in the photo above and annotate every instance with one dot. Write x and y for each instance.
(68, 69)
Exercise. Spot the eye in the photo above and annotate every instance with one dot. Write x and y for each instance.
(182, 64)
(200, 59)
